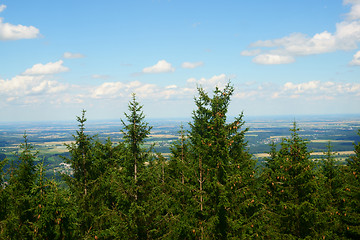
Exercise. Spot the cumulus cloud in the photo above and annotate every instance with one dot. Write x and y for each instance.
(24, 85)
(108, 90)
(191, 65)
(46, 69)
(2, 7)
(356, 59)
(160, 67)
(35, 85)
(355, 9)
(286, 49)
(9, 31)
(113, 90)
(73, 55)
(273, 59)
(99, 76)
(318, 90)
(209, 83)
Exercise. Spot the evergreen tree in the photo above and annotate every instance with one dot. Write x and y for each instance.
(291, 188)
(4, 197)
(52, 209)
(135, 181)
(83, 178)
(180, 185)
(219, 156)
(135, 132)
(331, 189)
(351, 200)
(20, 215)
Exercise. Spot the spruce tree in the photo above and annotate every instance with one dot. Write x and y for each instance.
(54, 214)
(20, 215)
(292, 189)
(135, 181)
(3, 194)
(180, 175)
(135, 131)
(219, 156)
(351, 199)
(83, 177)
(331, 185)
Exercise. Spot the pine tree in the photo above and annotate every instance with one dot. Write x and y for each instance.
(4, 197)
(52, 209)
(20, 216)
(83, 178)
(292, 189)
(180, 185)
(331, 185)
(351, 200)
(135, 132)
(219, 157)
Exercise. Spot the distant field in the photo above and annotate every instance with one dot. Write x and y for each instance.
(340, 153)
(49, 139)
(331, 141)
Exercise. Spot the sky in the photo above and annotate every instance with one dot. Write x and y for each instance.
(299, 57)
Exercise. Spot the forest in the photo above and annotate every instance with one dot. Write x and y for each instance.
(210, 187)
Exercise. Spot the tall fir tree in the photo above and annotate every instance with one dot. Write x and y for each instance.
(351, 199)
(291, 187)
(331, 184)
(54, 214)
(20, 214)
(135, 132)
(219, 156)
(83, 177)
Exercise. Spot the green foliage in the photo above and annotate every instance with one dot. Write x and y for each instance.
(208, 188)
(291, 190)
(135, 132)
(351, 200)
(19, 214)
(331, 192)
(219, 158)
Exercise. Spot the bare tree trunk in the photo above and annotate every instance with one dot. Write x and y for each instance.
(85, 175)
(135, 162)
(201, 181)
(182, 158)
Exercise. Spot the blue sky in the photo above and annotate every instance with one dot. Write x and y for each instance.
(283, 57)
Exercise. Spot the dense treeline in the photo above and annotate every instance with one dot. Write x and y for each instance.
(209, 188)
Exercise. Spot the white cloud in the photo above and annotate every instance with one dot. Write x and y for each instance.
(25, 85)
(113, 90)
(286, 49)
(108, 90)
(355, 9)
(73, 55)
(356, 59)
(2, 7)
(46, 69)
(171, 86)
(216, 80)
(191, 65)
(16, 32)
(35, 85)
(313, 90)
(119, 89)
(160, 67)
(273, 59)
(99, 76)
